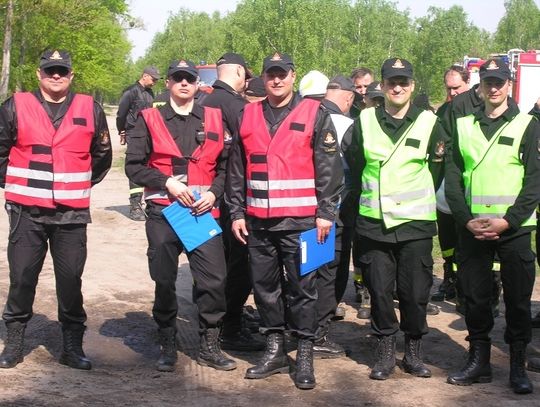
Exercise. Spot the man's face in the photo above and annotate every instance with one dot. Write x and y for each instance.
(454, 84)
(397, 91)
(494, 91)
(279, 83)
(149, 81)
(361, 83)
(55, 80)
(182, 86)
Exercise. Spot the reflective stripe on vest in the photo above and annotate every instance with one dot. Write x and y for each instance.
(397, 186)
(493, 171)
(197, 171)
(49, 167)
(280, 172)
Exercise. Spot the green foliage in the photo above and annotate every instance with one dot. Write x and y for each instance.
(520, 27)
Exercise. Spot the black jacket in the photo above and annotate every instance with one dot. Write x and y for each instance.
(134, 99)
(229, 101)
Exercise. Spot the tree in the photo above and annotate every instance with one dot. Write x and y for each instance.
(6, 55)
(520, 26)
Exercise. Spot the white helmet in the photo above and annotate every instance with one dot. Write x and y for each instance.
(313, 84)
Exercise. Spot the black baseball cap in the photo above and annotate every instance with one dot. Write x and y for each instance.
(255, 87)
(182, 65)
(495, 68)
(374, 90)
(341, 82)
(396, 67)
(278, 60)
(153, 72)
(234, 58)
(55, 58)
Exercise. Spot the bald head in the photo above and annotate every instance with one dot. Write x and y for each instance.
(233, 75)
(342, 98)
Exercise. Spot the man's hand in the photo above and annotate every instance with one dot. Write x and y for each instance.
(122, 135)
(180, 191)
(323, 229)
(204, 204)
(477, 227)
(239, 230)
(495, 228)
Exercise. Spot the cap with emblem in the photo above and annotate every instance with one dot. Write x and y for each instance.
(182, 65)
(233, 58)
(374, 90)
(396, 67)
(495, 68)
(153, 72)
(256, 88)
(55, 58)
(278, 60)
(341, 82)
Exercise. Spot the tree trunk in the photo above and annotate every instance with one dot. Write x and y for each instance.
(6, 54)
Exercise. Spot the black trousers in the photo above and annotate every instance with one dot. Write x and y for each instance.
(207, 264)
(27, 248)
(285, 300)
(447, 231)
(332, 278)
(407, 265)
(475, 260)
(238, 285)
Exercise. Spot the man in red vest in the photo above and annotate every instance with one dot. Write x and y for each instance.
(175, 150)
(54, 146)
(285, 177)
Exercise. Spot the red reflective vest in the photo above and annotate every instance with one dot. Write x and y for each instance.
(280, 171)
(199, 170)
(48, 167)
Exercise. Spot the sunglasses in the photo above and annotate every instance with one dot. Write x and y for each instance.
(179, 77)
(53, 70)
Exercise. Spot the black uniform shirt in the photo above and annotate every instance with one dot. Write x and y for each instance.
(529, 195)
(354, 154)
(328, 173)
(100, 150)
(184, 131)
(134, 99)
(229, 101)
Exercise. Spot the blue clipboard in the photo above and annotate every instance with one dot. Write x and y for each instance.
(314, 254)
(192, 230)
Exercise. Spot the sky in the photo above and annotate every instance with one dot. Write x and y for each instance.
(154, 13)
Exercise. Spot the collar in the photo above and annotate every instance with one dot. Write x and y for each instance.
(508, 115)
(169, 113)
(331, 106)
(225, 86)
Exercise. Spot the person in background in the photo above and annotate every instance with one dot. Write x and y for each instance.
(135, 98)
(255, 91)
(50, 134)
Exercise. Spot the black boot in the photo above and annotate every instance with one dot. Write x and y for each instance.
(534, 365)
(305, 377)
(274, 360)
(136, 211)
(386, 358)
(168, 356)
(412, 362)
(519, 381)
(477, 369)
(447, 289)
(73, 354)
(210, 353)
(324, 348)
(241, 340)
(13, 348)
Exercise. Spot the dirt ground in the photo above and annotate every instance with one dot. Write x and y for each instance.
(121, 341)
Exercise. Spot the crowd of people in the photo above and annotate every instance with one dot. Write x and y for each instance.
(268, 163)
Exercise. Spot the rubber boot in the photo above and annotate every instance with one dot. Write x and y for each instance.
(447, 289)
(413, 359)
(210, 353)
(274, 360)
(73, 354)
(168, 356)
(324, 348)
(519, 381)
(12, 354)
(305, 376)
(477, 369)
(386, 358)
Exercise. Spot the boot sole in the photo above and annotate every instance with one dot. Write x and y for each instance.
(165, 368)
(305, 386)
(11, 365)
(320, 355)
(481, 379)
(73, 366)
(285, 369)
(373, 377)
(217, 367)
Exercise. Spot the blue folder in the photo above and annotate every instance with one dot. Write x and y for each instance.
(192, 230)
(314, 254)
